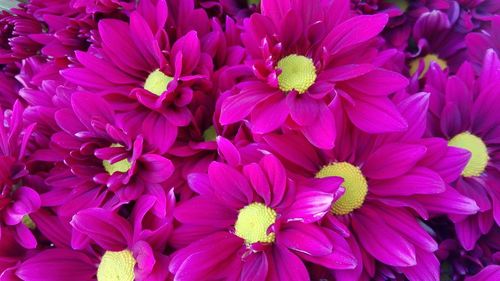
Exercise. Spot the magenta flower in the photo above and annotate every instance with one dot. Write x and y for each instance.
(148, 76)
(17, 199)
(108, 246)
(302, 65)
(462, 111)
(96, 159)
(388, 180)
(254, 221)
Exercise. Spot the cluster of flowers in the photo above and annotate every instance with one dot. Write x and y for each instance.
(250, 140)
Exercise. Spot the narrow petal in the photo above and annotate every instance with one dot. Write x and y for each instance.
(305, 238)
(106, 228)
(284, 265)
(376, 115)
(392, 160)
(57, 265)
(310, 206)
(229, 185)
(204, 211)
(418, 180)
(382, 242)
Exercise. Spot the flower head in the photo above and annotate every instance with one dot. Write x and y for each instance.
(255, 214)
(300, 68)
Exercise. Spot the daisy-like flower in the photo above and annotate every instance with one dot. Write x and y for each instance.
(96, 159)
(107, 246)
(388, 180)
(437, 41)
(152, 74)
(17, 199)
(252, 221)
(463, 111)
(307, 58)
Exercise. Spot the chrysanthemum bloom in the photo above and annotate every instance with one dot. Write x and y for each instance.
(95, 158)
(150, 74)
(307, 58)
(437, 41)
(463, 111)
(108, 247)
(17, 200)
(388, 180)
(252, 221)
(16, 25)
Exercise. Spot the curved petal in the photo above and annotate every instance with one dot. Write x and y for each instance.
(305, 238)
(392, 160)
(106, 228)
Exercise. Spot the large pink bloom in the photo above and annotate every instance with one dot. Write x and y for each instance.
(96, 162)
(151, 75)
(463, 110)
(389, 179)
(307, 59)
(252, 221)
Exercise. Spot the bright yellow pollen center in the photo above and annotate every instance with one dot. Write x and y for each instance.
(210, 134)
(355, 186)
(120, 166)
(28, 222)
(253, 222)
(116, 266)
(297, 73)
(427, 63)
(157, 82)
(479, 153)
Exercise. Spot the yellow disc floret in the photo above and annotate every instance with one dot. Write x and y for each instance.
(157, 82)
(28, 222)
(355, 186)
(427, 63)
(402, 4)
(116, 266)
(297, 73)
(253, 222)
(478, 150)
(120, 166)
(210, 134)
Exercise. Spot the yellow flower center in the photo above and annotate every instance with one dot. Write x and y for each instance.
(297, 73)
(157, 82)
(120, 166)
(253, 222)
(28, 222)
(427, 63)
(401, 4)
(478, 150)
(210, 134)
(116, 266)
(355, 186)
